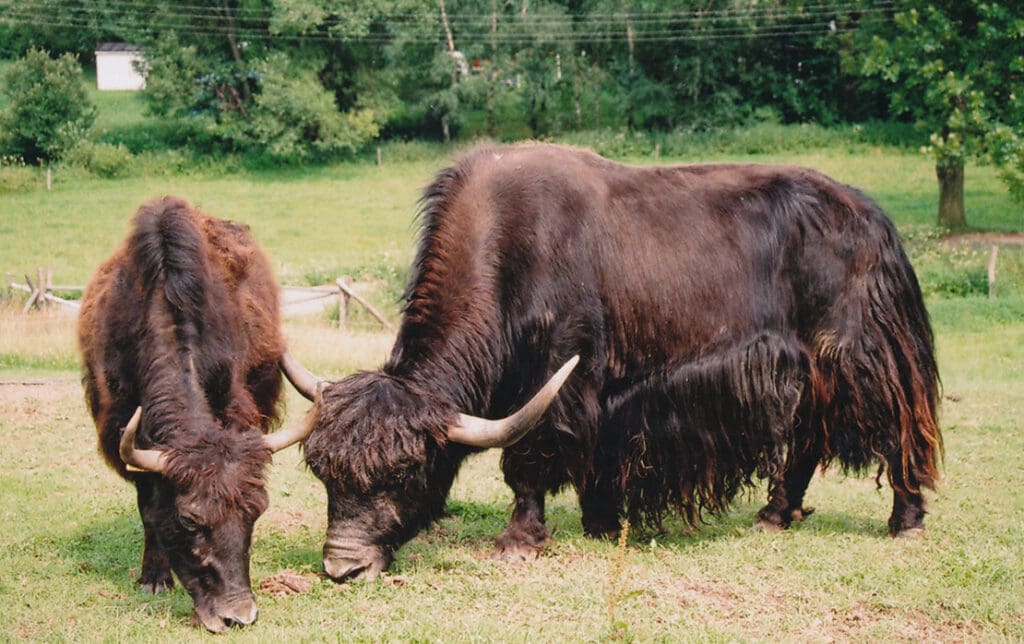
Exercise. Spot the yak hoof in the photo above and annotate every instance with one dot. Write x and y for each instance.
(762, 525)
(511, 550)
(909, 533)
(156, 587)
(799, 514)
(515, 553)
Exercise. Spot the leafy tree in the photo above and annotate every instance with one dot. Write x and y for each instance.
(47, 110)
(957, 68)
(293, 118)
(276, 78)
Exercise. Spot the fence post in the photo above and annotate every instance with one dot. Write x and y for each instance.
(42, 281)
(344, 301)
(992, 272)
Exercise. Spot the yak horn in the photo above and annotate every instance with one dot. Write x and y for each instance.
(140, 460)
(480, 432)
(287, 437)
(304, 381)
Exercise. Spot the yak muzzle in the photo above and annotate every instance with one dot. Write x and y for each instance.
(235, 614)
(366, 564)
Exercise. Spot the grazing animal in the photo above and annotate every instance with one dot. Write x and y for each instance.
(180, 339)
(733, 322)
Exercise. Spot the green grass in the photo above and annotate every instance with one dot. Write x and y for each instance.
(330, 220)
(71, 540)
(118, 109)
(355, 217)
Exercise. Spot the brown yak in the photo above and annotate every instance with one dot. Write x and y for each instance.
(732, 322)
(180, 339)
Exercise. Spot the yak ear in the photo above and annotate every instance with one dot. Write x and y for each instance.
(305, 382)
(139, 460)
(480, 432)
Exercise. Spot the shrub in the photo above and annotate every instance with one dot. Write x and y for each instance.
(944, 269)
(293, 118)
(101, 159)
(48, 110)
(15, 176)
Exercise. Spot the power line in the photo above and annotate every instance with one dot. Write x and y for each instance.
(578, 31)
(187, 12)
(255, 13)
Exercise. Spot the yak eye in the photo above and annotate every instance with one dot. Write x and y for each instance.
(189, 523)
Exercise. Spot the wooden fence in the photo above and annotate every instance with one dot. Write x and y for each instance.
(294, 299)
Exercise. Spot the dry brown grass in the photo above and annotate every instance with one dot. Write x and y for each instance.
(37, 339)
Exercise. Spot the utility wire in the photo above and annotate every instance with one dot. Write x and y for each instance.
(576, 31)
(257, 13)
(187, 12)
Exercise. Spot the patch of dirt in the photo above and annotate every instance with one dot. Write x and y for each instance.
(21, 399)
(290, 520)
(984, 239)
(904, 626)
(287, 582)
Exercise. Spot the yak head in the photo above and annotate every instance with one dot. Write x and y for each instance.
(387, 451)
(202, 497)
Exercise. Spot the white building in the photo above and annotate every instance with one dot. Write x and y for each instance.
(116, 67)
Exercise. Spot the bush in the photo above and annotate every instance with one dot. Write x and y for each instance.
(101, 159)
(48, 110)
(296, 119)
(944, 269)
(761, 135)
(15, 176)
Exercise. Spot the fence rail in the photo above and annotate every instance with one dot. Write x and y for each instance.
(294, 299)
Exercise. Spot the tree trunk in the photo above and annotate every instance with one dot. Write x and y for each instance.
(492, 72)
(632, 69)
(951, 194)
(236, 53)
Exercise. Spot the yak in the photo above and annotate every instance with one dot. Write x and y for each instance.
(180, 338)
(731, 322)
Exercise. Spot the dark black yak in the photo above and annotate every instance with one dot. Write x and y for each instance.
(733, 322)
(180, 338)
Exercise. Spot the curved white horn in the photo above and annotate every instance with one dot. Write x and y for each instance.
(287, 437)
(480, 432)
(143, 460)
(304, 381)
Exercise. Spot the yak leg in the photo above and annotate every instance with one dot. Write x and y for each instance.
(156, 576)
(786, 496)
(908, 504)
(601, 503)
(526, 535)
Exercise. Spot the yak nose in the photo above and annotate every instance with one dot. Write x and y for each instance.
(241, 615)
(340, 568)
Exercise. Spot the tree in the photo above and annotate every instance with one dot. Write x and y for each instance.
(956, 67)
(47, 110)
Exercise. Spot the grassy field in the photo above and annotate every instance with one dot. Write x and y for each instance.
(358, 217)
(70, 541)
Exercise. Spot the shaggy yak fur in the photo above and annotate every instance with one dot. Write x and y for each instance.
(734, 322)
(183, 321)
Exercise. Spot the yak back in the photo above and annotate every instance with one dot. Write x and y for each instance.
(183, 319)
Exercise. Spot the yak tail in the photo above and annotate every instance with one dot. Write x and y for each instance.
(881, 378)
(167, 249)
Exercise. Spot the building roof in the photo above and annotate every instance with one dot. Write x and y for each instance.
(118, 46)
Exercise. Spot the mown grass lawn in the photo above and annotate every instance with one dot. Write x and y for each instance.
(70, 538)
(356, 217)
